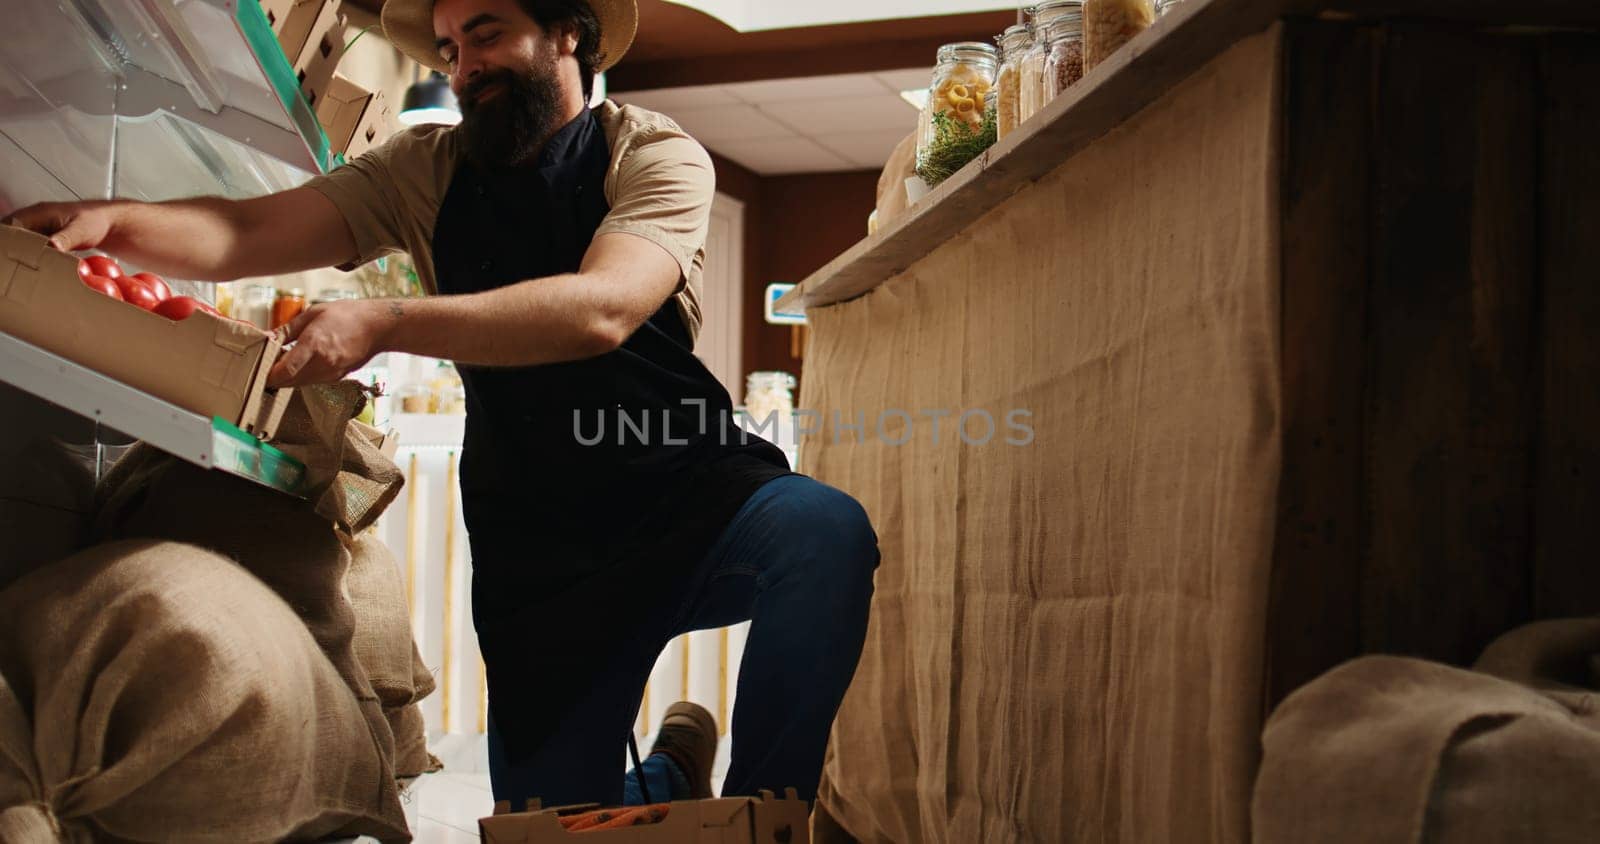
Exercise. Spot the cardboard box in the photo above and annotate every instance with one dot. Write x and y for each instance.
(292, 21)
(324, 47)
(205, 364)
(730, 820)
(355, 119)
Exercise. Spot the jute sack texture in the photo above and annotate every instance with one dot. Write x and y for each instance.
(300, 549)
(1390, 749)
(154, 691)
(387, 652)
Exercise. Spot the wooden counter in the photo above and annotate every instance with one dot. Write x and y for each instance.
(1295, 301)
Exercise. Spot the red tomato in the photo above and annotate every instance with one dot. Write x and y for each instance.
(155, 284)
(104, 285)
(100, 265)
(137, 294)
(181, 307)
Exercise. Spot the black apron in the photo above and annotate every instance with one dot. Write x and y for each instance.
(585, 556)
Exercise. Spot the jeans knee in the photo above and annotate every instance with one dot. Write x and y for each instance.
(850, 545)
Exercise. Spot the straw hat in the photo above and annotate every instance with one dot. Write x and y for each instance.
(409, 26)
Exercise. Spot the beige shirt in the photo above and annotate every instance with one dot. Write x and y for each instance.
(659, 185)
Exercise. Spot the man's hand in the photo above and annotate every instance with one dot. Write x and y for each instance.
(71, 226)
(333, 340)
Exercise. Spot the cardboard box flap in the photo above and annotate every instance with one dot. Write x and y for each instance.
(728, 820)
(26, 247)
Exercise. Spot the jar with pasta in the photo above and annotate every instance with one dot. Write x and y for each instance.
(957, 127)
(769, 394)
(1035, 85)
(1014, 44)
(1109, 24)
(1064, 65)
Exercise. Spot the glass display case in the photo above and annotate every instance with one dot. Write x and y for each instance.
(151, 100)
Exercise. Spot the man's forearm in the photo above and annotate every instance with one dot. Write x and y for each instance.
(205, 239)
(188, 238)
(547, 320)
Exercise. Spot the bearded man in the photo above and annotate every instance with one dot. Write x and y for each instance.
(563, 248)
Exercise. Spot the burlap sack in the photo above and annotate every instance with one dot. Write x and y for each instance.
(387, 651)
(157, 692)
(1390, 749)
(298, 548)
(46, 493)
(296, 552)
(349, 480)
(902, 165)
(411, 756)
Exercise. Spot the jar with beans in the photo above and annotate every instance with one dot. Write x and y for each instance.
(1064, 65)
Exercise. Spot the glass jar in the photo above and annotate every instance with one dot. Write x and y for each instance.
(334, 295)
(225, 303)
(1014, 44)
(1064, 66)
(254, 305)
(768, 393)
(288, 305)
(1164, 6)
(1034, 84)
(1030, 80)
(453, 400)
(954, 121)
(416, 398)
(1109, 24)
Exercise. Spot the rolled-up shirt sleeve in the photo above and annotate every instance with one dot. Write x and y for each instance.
(364, 194)
(663, 193)
(390, 196)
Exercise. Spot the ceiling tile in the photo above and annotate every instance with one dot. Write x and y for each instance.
(806, 88)
(788, 155)
(905, 80)
(867, 150)
(667, 99)
(850, 114)
(729, 123)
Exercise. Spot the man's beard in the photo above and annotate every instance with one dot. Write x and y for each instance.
(510, 128)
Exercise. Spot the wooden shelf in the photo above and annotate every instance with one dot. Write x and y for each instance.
(1188, 36)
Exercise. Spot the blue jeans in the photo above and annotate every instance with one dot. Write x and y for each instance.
(797, 562)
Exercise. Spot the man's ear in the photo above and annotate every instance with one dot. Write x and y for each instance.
(567, 38)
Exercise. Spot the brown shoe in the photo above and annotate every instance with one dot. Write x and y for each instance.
(688, 735)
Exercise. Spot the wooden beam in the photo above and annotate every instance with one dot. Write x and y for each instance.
(750, 67)
(1314, 606)
(1568, 465)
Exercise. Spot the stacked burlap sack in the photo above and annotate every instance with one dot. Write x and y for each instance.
(1389, 749)
(227, 663)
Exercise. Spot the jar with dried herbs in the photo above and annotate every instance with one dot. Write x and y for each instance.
(1014, 44)
(1109, 24)
(956, 125)
(1064, 66)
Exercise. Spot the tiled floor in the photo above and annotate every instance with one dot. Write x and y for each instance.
(449, 806)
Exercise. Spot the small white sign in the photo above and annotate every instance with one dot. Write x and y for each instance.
(776, 317)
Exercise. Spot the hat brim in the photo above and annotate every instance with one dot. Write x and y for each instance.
(408, 24)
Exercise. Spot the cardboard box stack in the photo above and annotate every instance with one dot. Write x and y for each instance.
(312, 34)
(355, 119)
